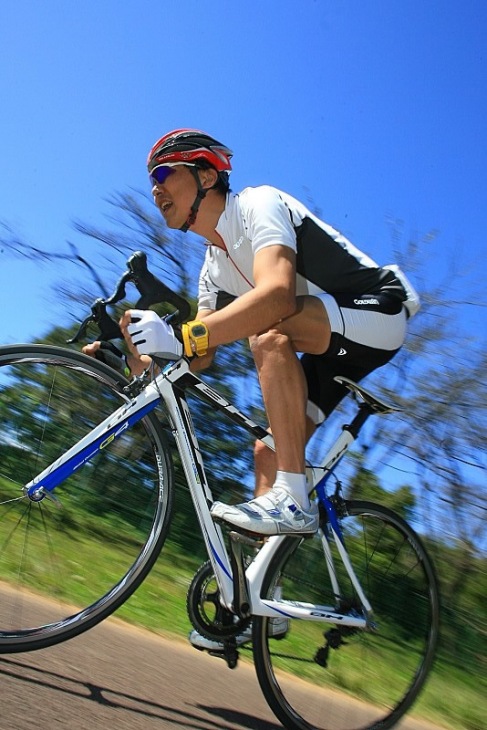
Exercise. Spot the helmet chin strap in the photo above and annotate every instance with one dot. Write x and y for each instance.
(200, 195)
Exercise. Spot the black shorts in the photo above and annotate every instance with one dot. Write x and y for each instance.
(367, 331)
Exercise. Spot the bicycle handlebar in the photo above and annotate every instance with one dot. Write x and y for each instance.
(152, 291)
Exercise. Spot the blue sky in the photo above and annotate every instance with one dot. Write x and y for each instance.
(374, 109)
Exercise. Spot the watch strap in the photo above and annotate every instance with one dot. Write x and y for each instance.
(195, 338)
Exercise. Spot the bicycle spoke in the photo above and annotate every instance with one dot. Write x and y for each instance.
(70, 558)
(352, 679)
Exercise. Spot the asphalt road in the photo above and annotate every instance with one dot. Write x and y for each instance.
(116, 677)
(119, 677)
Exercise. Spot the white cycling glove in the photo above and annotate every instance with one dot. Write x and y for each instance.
(153, 336)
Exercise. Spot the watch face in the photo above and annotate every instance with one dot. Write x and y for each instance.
(198, 330)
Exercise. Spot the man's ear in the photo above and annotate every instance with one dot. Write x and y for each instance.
(208, 177)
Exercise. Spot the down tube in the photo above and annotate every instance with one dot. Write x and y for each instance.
(99, 438)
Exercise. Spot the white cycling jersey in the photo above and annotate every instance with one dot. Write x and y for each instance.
(326, 261)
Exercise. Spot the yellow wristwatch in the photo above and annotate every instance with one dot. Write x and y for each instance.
(195, 338)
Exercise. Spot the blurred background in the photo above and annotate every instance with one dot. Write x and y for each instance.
(374, 115)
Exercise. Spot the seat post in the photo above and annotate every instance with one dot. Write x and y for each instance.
(364, 411)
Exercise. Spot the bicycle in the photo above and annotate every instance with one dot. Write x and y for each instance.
(85, 461)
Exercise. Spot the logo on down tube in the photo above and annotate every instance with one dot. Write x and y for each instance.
(113, 436)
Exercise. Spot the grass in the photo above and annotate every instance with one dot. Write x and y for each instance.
(450, 699)
(82, 565)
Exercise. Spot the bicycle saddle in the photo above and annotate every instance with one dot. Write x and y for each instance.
(377, 405)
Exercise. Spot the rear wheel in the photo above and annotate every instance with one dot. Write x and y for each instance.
(332, 677)
(67, 563)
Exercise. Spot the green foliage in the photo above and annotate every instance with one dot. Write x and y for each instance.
(437, 377)
(364, 484)
(463, 582)
(462, 576)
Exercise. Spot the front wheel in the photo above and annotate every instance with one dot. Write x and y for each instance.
(322, 676)
(67, 563)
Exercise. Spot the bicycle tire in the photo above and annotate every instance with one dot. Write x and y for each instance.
(66, 565)
(365, 678)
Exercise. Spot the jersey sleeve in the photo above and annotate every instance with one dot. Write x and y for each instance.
(268, 219)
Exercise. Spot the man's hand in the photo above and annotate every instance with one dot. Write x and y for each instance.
(136, 364)
(147, 334)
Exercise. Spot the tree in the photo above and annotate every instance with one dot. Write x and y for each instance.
(437, 377)
(427, 463)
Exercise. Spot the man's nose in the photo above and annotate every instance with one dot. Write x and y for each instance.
(156, 189)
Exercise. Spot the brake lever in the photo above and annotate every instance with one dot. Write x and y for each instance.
(151, 290)
(109, 329)
(80, 334)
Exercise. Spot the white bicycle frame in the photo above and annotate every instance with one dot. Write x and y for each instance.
(168, 386)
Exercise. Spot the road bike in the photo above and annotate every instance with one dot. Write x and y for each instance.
(86, 498)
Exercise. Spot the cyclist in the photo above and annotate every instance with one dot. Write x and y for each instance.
(276, 274)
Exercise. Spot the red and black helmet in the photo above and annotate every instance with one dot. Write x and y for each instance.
(190, 146)
(196, 149)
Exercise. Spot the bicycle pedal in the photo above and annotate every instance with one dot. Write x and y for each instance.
(239, 530)
(228, 652)
(247, 538)
(230, 656)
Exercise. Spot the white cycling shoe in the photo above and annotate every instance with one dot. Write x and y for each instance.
(274, 513)
(277, 629)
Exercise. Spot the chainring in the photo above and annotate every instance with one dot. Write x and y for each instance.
(205, 611)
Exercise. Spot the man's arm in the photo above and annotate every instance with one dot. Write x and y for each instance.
(272, 299)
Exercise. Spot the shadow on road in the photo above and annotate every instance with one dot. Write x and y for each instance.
(240, 718)
(109, 697)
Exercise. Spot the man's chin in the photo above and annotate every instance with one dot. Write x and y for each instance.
(171, 223)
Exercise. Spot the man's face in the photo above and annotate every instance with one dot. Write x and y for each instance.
(175, 196)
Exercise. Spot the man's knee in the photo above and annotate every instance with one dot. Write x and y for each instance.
(273, 342)
(263, 452)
